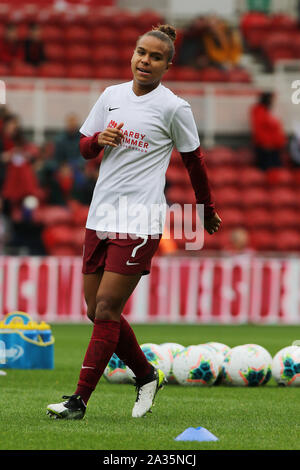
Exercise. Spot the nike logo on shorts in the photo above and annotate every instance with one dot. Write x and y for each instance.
(87, 367)
(131, 264)
(111, 109)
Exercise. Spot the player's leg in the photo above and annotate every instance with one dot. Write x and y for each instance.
(112, 294)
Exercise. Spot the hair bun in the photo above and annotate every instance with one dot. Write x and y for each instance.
(168, 30)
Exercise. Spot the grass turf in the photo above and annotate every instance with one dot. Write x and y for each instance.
(242, 418)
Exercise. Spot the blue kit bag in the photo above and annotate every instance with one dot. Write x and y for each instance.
(25, 344)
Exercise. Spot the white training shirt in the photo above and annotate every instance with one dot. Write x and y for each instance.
(129, 194)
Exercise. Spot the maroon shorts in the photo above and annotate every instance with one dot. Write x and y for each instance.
(119, 255)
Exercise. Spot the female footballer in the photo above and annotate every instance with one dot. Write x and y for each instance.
(137, 123)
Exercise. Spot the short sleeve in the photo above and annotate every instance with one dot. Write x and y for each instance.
(95, 120)
(184, 131)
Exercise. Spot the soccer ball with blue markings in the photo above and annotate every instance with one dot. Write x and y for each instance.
(286, 366)
(157, 356)
(196, 366)
(117, 372)
(247, 365)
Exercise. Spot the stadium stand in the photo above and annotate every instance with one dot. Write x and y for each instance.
(260, 202)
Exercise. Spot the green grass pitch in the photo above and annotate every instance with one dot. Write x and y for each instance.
(242, 418)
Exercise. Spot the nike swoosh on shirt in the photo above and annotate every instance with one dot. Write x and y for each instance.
(131, 264)
(111, 109)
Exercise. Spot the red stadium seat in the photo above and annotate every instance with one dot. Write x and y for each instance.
(178, 194)
(283, 197)
(77, 34)
(296, 176)
(286, 218)
(219, 156)
(51, 33)
(256, 37)
(77, 54)
(83, 71)
(105, 55)
(254, 20)
(55, 52)
(20, 69)
(238, 76)
(228, 196)
(211, 74)
(232, 217)
(52, 215)
(186, 74)
(258, 218)
(106, 71)
(79, 214)
(224, 176)
(296, 45)
(128, 36)
(263, 240)
(125, 72)
(4, 70)
(63, 250)
(54, 70)
(281, 22)
(125, 55)
(103, 35)
(283, 53)
(145, 19)
(251, 176)
(244, 157)
(127, 19)
(280, 177)
(176, 175)
(287, 240)
(276, 40)
(255, 197)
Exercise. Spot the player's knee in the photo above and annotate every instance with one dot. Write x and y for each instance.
(107, 308)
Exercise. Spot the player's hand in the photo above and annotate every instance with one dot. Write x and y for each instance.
(212, 224)
(112, 136)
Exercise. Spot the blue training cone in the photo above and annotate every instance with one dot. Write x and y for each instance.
(196, 434)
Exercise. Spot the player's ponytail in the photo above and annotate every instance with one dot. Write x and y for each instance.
(167, 34)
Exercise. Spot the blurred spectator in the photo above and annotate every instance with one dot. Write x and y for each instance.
(67, 143)
(295, 145)
(20, 180)
(84, 183)
(11, 48)
(34, 50)
(10, 133)
(267, 133)
(210, 41)
(239, 242)
(192, 50)
(223, 43)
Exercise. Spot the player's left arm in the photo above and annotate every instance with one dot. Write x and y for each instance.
(195, 165)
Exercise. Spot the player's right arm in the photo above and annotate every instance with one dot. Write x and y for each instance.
(90, 147)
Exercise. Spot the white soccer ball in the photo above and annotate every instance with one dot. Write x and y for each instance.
(196, 365)
(220, 347)
(247, 365)
(157, 356)
(218, 354)
(286, 366)
(171, 349)
(117, 372)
